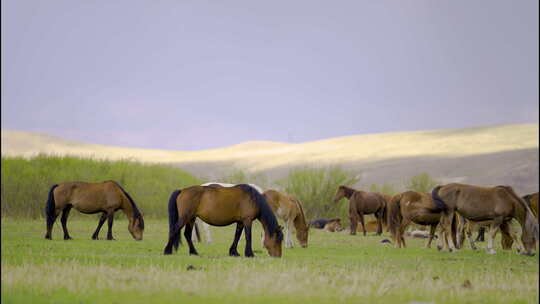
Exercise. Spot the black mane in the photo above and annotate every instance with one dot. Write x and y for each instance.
(266, 215)
(136, 212)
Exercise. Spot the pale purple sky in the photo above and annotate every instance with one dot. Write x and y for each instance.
(195, 74)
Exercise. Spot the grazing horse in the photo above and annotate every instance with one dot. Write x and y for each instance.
(289, 209)
(532, 201)
(412, 206)
(465, 227)
(222, 206)
(89, 198)
(360, 203)
(494, 205)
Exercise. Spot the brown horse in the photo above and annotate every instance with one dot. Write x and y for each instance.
(415, 207)
(89, 198)
(360, 203)
(494, 205)
(222, 206)
(330, 225)
(466, 227)
(288, 208)
(532, 201)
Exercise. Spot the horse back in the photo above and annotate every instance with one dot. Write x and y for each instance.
(89, 197)
(368, 202)
(217, 206)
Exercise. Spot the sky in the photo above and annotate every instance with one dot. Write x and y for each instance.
(188, 75)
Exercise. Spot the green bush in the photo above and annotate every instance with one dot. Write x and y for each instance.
(26, 182)
(421, 183)
(316, 189)
(385, 189)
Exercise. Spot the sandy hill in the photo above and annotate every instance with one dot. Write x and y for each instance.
(504, 154)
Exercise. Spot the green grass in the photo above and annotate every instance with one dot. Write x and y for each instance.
(336, 267)
(26, 182)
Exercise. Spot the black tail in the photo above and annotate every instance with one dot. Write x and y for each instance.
(50, 207)
(173, 217)
(439, 203)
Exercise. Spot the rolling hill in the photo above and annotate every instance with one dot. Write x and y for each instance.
(502, 154)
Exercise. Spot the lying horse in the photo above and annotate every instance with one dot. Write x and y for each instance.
(415, 207)
(89, 198)
(289, 209)
(222, 206)
(496, 205)
(360, 203)
(330, 225)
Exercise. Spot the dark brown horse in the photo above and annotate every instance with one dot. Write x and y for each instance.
(222, 206)
(106, 197)
(494, 205)
(412, 207)
(360, 203)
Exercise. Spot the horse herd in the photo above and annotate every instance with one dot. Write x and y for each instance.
(455, 208)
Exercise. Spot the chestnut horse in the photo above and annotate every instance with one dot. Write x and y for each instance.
(465, 228)
(532, 201)
(360, 203)
(415, 207)
(89, 198)
(494, 205)
(222, 206)
(288, 208)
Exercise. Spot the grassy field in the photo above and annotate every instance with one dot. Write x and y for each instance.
(335, 267)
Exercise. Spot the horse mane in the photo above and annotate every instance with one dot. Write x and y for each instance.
(295, 200)
(530, 221)
(266, 215)
(136, 212)
(348, 191)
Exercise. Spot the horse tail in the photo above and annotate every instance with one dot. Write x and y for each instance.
(531, 223)
(50, 206)
(394, 215)
(439, 203)
(266, 215)
(173, 218)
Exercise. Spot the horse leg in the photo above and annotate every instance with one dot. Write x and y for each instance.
(404, 224)
(288, 241)
(444, 242)
(361, 216)
(110, 219)
(354, 223)
(50, 224)
(187, 234)
(460, 231)
(63, 220)
(432, 230)
(248, 252)
(491, 234)
(468, 231)
(481, 232)
(233, 250)
(102, 219)
(207, 232)
(508, 232)
(379, 222)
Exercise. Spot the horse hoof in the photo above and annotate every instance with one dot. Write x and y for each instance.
(111, 239)
(491, 251)
(234, 254)
(439, 248)
(48, 237)
(68, 238)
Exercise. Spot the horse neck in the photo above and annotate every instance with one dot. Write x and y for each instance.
(300, 219)
(348, 192)
(128, 209)
(521, 213)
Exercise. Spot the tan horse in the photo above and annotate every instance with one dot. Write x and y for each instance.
(532, 201)
(412, 207)
(89, 198)
(360, 203)
(496, 205)
(288, 208)
(222, 206)
(466, 227)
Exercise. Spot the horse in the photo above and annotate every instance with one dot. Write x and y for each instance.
(288, 208)
(532, 201)
(494, 205)
(360, 203)
(465, 227)
(89, 198)
(222, 206)
(415, 207)
(330, 225)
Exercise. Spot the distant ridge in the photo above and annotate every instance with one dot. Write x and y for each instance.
(514, 147)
